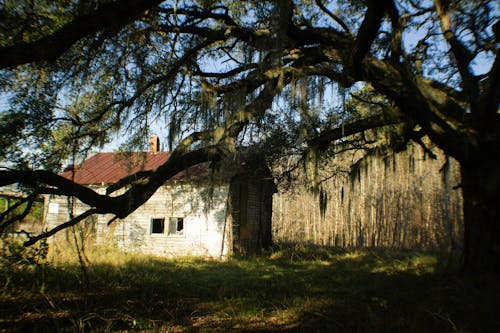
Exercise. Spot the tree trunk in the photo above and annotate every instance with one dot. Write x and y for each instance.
(481, 194)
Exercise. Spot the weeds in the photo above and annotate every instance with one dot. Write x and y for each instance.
(293, 288)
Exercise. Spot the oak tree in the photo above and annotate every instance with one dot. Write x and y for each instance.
(223, 73)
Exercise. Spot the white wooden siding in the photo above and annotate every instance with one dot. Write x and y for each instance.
(202, 207)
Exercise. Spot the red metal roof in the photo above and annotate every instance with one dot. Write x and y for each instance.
(108, 168)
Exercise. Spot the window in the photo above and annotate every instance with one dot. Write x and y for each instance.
(176, 226)
(158, 226)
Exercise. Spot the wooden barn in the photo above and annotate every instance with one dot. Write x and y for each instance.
(197, 213)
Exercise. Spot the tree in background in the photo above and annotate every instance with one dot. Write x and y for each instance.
(224, 73)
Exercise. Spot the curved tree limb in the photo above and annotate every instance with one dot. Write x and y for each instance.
(112, 15)
(333, 16)
(490, 98)
(33, 239)
(323, 140)
(199, 13)
(367, 33)
(29, 200)
(64, 186)
(180, 159)
(427, 105)
(462, 55)
(397, 33)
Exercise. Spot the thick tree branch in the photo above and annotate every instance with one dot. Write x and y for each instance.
(199, 13)
(129, 180)
(4, 224)
(337, 19)
(33, 239)
(180, 159)
(367, 33)
(326, 137)
(461, 54)
(397, 33)
(490, 97)
(112, 15)
(228, 74)
(64, 186)
(427, 105)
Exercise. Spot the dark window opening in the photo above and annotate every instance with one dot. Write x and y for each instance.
(176, 225)
(157, 226)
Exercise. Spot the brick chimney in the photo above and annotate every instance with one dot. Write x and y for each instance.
(69, 167)
(154, 144)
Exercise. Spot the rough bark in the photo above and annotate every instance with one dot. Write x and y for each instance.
(367, 33)
(481, 194)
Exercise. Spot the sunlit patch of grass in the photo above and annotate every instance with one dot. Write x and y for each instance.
(293, 288)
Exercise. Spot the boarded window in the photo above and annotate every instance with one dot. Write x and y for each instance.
(158, 226)
(176, 226)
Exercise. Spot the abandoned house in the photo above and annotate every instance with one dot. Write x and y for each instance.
(197, 213)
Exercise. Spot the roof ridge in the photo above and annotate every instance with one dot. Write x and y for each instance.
(110, 167)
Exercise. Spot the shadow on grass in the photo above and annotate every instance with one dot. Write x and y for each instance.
(291, 289)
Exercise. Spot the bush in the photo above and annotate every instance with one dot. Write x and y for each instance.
(15, 256)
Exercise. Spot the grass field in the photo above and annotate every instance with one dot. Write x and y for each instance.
(289, 289)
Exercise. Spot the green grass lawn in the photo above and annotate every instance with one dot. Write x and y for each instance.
(289, 289)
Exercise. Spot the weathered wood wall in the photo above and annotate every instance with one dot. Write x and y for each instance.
(251, 212)
(403, 200)
(202, 207)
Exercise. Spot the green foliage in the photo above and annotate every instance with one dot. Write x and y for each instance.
(15, 256)
(35, 214)
(27, 21)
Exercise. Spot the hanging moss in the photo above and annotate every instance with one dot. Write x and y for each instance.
(355, 173)
(323, 202)
(321, 90)
(310, 163)
(411, 163)
(379, 208)
(445, 171)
